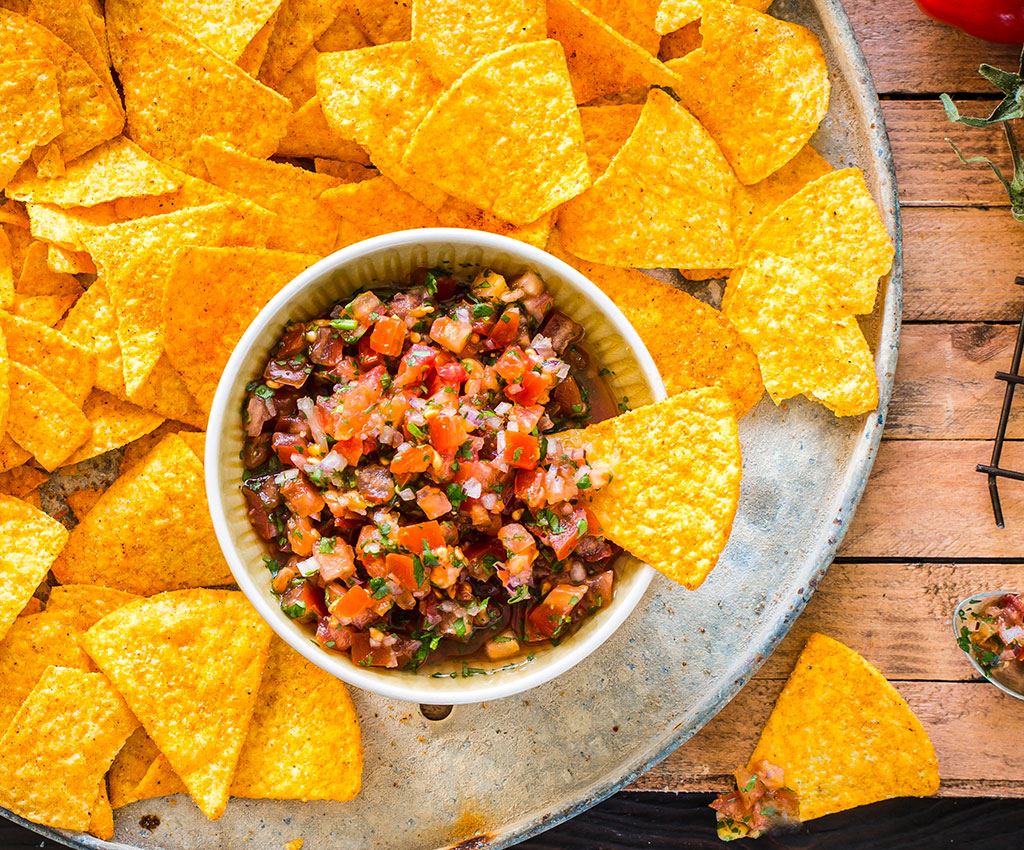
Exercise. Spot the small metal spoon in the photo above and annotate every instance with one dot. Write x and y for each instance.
(1012, 681)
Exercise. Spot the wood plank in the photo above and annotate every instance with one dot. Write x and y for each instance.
(953, 713)
(927, 169)
(945, 386)
(915, 641)
(909, 53)
(960, 264)
(925, 502)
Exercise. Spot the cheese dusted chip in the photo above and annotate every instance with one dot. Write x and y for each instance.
(42, 419)
(666, 199)
(189, 665)
(86, 604)
(68, 365)
(299, 24)
(309, 135)
(506, 135)
(115, 423)
(29, 112)
(671, 505)
(806, 341)
(129, 768)
(605, 130)
(225, 26)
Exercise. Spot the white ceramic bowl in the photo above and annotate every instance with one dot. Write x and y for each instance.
(381, 261)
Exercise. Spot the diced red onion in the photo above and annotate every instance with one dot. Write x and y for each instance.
(489, 500)
(406, 495)
(472, 488)
(503, 408)
(308, 568)
(308, 407)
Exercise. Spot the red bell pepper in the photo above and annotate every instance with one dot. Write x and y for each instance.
(993, 20)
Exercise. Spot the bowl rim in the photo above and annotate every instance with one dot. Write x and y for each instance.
(482, 689)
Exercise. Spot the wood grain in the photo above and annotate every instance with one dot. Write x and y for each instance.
(924, 501)
(908, 53)
(945, 386)
(960, 263)
(969, 761)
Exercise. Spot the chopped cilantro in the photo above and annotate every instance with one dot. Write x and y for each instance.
(326, 545)
(416, 431)
(459, 627)
(521, 595)
(295, 609)
(417, 570)
(344, 324)
(584, 482)
(456, 495)
(379, 588)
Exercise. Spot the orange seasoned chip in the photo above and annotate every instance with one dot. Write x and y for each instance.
(382, 20)
(605, 130)
(299, 24)
(624, 18)
(42, 419)
(70, 366)
(376, 206)
(832, 227)
(256, 50)
(30, 542)
(346, 171)
(150, 531)
(213, 294)
(601, 61)
(89, 113)
(666, 16)
(806, 340)
(671, 505)
(665, 200)
(160, 780)
(82, 501)
(319, 758)
(6, 271)
(189, 664)
(299, 84)
(71, 725)
(21, 480)
(37, 278)
(11, 454)
(115, 423)
(675, 45)
(456, 213)
(177, 89)
(86, 604)
(63, 261)
(451, 35)
(759, 84)
(309, 135)
(129, 768)
(29, 112)
(224, 26)
(506, 135)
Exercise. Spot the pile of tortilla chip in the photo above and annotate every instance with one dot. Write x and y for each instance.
(840, 736)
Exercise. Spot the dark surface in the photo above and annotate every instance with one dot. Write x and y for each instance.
(637, 821)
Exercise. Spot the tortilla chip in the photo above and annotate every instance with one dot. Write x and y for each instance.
(164, 392)
(37, 278)
(195, 440)
(224, 26)
(665, 200)
(116, 169)
(69, 366)
(667, 16)
(299, 84)
(82, 501)
(150, 531)
(304, 742)
(62, 261)
(89, 113)
(806, 341)
(600, 59)
(844, 736)
(213, 295)
(176, 89)
(299, 24)
(760, 85)
(833, 227)
(675, 45)
(673, 504)
(70, 726)
(692, 344)
(45, 309)
(451, 35)
(6, 271)
(92, 323)
(506, 136)
(605, 130)
(11, 454)
(29, 112)
(21, 481)
(303, 222)
(189, 665)
(115, 423)
(101, 818)
(256, 50)
(456, 213)
(129, 768)
(160, 780)
(309, 135)
(374, 207)
(622, 18)
(49, 161)
(86, 604)
(346, 171)
(61, 227)
(42, 419)
(135, 257)
(383, 21)
(33, 643)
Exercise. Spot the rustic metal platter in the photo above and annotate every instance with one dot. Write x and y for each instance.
(493, 774)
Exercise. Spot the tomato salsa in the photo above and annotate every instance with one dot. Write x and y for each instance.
(993, 632)
(402, 466)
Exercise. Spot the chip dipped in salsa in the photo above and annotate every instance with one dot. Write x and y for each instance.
(402, 466)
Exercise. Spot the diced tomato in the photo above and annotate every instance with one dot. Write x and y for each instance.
(352, 604)
(477, 470)
(415, 365)
(302, 497)
(410, 458)
(600, 590)
(512, 364)
(286, 445)
(366, 656)
(451, 333)
(530, 487)
(533, 388)
(402, 568)
(571, 530)
(331, 635)
(447, 433)
(412, 537)
(432, 502)
(351, 450)
(526, 418)
(388, 336)
(364, 306)
(368, 358)
(552, 614)
(338, 563)
(357, 403)
(521, 450)
(302, 537)
(450, 372)
(505, 330)
(517, 540)
(489, 284)
(307, 597)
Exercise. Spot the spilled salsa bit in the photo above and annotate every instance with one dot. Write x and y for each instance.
(401, 465)
(994, 635)
(761, 802)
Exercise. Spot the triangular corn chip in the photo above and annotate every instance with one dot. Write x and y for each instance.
(29, 112)
(666, 199)
(21, 481)
(86, 604)
(11, 454)
(451, 34)
(150, 531)
(33, 643)
(189, 665)
(382, 20)
(42, 419)
(376, 206)
(63, 261)
(225, 26)
(213, 294)
(319, 757)
(159, 780)
(672, 504)
(506, 135)
(71, 726)
(832, 227)
(309, 135)
(605, 130)
(666, 16)
(601, 61)
(115, 423)
(68, 365)
(623, 18)
(805, 340)
(256, 50)
(6, 271)
(844, 736)
(129, 768)
(299, 24)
